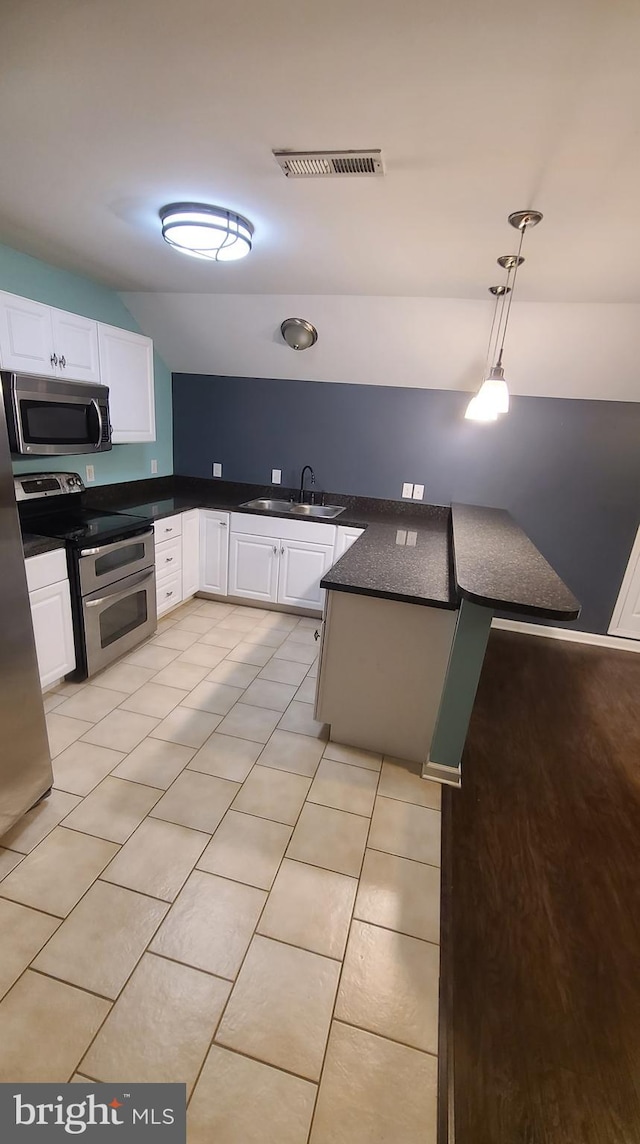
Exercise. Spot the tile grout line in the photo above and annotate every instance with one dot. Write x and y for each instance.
(346, 947)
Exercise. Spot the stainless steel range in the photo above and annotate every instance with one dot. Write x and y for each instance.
(111, 561)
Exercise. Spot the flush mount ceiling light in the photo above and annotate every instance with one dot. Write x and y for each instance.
(203, 231)
(492, 398)
(298, 333)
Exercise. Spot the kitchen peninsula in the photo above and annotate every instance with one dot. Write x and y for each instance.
(408, 610)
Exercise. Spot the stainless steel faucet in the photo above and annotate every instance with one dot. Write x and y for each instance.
(313, 481)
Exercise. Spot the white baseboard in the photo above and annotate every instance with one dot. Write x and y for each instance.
(617, 642)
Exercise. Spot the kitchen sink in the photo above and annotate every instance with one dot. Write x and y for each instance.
(264, 504)
(324, 510)
(267, 505)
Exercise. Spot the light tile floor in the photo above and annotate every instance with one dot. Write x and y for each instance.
(215, 894)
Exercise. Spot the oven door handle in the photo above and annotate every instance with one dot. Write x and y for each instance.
(113, 597)
(136, 539)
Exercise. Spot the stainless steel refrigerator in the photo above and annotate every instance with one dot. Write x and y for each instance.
(25, 762)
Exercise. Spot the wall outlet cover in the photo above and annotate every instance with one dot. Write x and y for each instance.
(418, 492)
(154, 465)
(217, 469)
(276, 476)
(90, 473)
(407, 491)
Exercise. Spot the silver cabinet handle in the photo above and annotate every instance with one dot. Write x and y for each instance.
(275, 550)
(168, 559)
(282, 551)
(63, 361)
(168, 530)
(316, 635)
(54, 359)
(169, 593)
(223, 524)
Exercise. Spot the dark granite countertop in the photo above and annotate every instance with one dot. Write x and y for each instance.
(496, 564)
(33, 545)
(486, 557)
(406, 560)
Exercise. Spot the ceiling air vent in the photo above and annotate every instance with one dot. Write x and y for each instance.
(329, 164)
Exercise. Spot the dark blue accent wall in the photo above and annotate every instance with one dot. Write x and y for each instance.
(568, 470)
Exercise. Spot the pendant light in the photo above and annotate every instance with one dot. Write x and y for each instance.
(492, 398)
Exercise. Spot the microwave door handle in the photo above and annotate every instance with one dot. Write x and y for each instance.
(99, 417)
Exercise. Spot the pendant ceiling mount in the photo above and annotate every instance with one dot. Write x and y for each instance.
(492, 398)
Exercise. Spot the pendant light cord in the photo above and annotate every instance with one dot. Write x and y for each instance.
(513, 287)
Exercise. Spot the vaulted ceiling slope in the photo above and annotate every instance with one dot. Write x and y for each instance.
(112, 108)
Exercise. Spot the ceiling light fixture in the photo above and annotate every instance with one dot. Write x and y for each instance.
(492, 398)
(298, 333)
(203, 231)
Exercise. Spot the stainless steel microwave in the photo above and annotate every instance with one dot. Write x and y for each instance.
(50, 417)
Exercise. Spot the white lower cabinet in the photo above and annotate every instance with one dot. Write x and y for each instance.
(53, 631)
(302, 566)
(190, 553)
(168, 591)
(345, 537)
(253, 567)
(214, 551)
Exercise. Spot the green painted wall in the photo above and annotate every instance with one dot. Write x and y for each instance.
(21, 274)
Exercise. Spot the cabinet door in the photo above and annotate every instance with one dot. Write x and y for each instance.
(76, 345)
(253, 567)
(345, 537)
(26, 336)
(302, 566)
(191, 553)
(625, 620)
(126, 366)
(53, 631)
(214, 551)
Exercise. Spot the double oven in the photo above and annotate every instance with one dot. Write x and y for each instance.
(111, 563)
(117, 598)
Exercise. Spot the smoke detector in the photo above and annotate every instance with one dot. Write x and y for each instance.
(329, 164)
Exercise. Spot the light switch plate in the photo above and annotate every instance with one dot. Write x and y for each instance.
(154, 465)
(276, 476)
(90, 473)
(217, 469)
(418, 492)
(407, 491)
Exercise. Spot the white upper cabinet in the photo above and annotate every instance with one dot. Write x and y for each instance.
(214, 551)
(42, 340)
(126, 366)
(75, 341)
(26, 336)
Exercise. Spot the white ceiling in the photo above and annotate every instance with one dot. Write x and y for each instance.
(120, 106)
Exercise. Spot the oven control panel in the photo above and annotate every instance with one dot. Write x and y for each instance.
(32, 486)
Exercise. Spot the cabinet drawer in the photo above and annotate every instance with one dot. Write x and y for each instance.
(168, 592)
(47, 568)
(168, 557)
(283, 528)
(168, 527)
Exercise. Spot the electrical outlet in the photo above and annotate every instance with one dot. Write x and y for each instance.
(418, 492)
(407, 491)
(401, 536)
(412, 539)
(217, 469)
(154, 465)
(276, 476)
(90, 474)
